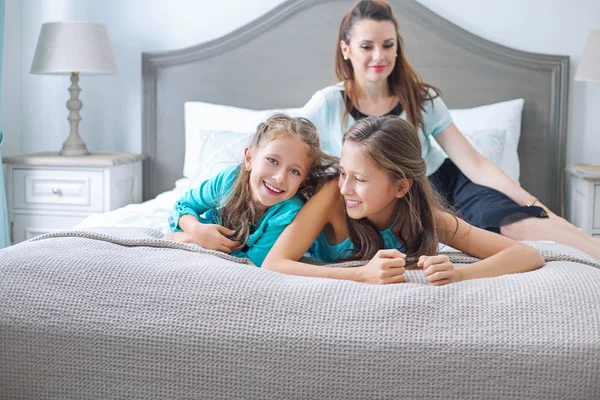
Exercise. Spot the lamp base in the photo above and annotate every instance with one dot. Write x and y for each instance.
(74, 146)
(74, 150)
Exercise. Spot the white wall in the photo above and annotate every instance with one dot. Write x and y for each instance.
(542, 26)
(33, 106)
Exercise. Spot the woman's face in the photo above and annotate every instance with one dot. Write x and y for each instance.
(372, 50)
(367, 189)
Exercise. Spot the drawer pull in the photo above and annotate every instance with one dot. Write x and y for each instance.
(56, 191)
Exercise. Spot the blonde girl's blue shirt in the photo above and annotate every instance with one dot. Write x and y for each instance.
(205, 201)
(324, 251)
(326, 110)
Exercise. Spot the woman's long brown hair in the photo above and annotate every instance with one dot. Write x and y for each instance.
(403, 82)
(239, 211)
(392, 144)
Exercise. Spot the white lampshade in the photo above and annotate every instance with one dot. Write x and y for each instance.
(589, 66)
(73, 46)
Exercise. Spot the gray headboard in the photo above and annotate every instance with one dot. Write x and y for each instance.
(283, 57)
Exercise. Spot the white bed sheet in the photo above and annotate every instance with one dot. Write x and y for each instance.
(149, 214)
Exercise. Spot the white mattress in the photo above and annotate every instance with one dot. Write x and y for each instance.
(149, 214)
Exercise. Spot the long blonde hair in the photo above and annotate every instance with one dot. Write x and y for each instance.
(403, 82)
(392, 144)
(238, 211)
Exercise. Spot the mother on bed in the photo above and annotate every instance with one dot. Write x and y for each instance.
(378, 80)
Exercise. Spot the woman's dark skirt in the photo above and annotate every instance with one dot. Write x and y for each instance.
(479, 205)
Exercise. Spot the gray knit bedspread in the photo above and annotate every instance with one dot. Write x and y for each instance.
(119, 313)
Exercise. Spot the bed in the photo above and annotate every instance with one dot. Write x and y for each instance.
(126, 314)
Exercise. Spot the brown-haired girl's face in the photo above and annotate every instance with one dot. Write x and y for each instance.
(278, 168)
(367, 188)
(372, 50)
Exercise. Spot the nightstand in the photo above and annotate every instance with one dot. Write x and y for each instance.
(46, 192)
(583, 197)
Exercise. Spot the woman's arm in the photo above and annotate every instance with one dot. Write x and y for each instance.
(478, 168)
(499, 255)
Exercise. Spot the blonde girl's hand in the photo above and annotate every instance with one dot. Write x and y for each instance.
(209, 236)
(387, 266)
(438, 270)
(214, 237)
(180, 237)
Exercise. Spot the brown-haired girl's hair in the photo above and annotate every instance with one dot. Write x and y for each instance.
(238, 211)
(392, 144)
(403, 82)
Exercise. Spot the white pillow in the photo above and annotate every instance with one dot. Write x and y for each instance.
(501, 116)
(489, 142)
(218, 150)
(215, 135)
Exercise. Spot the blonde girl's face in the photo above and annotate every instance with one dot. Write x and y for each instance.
(278, 168)
(367, 189)
(372, 50)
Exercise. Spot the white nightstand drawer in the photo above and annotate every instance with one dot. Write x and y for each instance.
(47, 192)
(58, 189)
(29, 226)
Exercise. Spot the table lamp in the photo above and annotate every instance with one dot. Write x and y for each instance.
(74, 48)
(589, 66)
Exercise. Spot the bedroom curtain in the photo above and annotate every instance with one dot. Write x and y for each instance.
(4, 235)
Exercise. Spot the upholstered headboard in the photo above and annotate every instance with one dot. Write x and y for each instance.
(283, 57)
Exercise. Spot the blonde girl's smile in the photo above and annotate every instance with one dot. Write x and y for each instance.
(272, 189)
(277, 170)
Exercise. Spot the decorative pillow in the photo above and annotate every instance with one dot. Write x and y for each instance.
(217, 150)
(489, 142)
(505, 116)
(204, 125)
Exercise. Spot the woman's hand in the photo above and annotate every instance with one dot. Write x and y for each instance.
(386, 267)
(209, 236)
(438, 270)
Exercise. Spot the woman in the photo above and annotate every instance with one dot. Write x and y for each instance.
(378, 80)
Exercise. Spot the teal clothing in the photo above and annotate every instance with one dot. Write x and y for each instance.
(326, 111)
(322, 250)
(205, 201)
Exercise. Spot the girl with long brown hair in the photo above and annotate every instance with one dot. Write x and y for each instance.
(383, 209)
(243, 209)
(376, 79)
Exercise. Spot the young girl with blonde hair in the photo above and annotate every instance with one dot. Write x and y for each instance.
(244, 208)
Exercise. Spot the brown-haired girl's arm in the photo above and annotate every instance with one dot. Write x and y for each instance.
(322, 209)
(327, 207)
(499, 255)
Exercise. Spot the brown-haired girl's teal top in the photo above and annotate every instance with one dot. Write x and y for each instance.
(205, 201)
(324, 251)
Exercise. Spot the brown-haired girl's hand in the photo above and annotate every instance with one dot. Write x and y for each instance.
(438, 270)
(387, 266)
